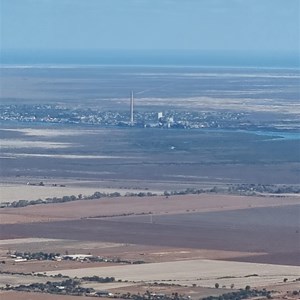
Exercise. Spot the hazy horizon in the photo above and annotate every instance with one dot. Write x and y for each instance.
(258, 33)
(156, 57)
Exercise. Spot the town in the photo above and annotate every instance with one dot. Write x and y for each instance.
(62, 114)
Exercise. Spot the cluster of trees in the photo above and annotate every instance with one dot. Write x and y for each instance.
(264, 188)
(190, 191)
(140, 194)
(241, 189)
(96, 195)
(72, 287)
(99, 279)
(66, 287)
(152, 296)
(241, 294)
(36, 255)
(104, 259)
(54, 256)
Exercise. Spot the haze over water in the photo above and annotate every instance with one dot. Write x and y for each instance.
(152, 58)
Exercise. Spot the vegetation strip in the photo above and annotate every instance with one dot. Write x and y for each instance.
(239, 189)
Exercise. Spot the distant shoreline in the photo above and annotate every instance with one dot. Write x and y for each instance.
(154, 57)
(91, 65)
(291, 134)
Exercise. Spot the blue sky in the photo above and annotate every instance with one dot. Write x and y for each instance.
(219, 25)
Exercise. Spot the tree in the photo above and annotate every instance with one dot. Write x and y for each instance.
(166, 193)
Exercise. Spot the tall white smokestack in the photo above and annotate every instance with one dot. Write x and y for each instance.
(131, 108)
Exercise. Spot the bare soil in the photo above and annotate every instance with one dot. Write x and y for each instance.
(253, 225)
(13, 192)
(184, 231)
(107, 207)
(200, 272)
(12, 295)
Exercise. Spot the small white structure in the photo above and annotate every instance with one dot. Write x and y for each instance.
(19, 259)
(78, 256)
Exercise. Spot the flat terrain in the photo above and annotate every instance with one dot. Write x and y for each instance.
(190, 242)
(217, 235)
(191, 239)
(167, 160)
(245, 89)
(35, 296)
(15, 191)
(264, 225)
(201, 272)
(109, 207)
(161, 159)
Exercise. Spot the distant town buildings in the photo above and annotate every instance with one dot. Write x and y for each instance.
(62, 114)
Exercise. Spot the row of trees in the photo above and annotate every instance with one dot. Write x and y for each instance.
(240, 189)
(99, 279)
(96, 195)
(35, 255)
(241, 294)
(73, 287)
(264, 188)
(66, 287)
